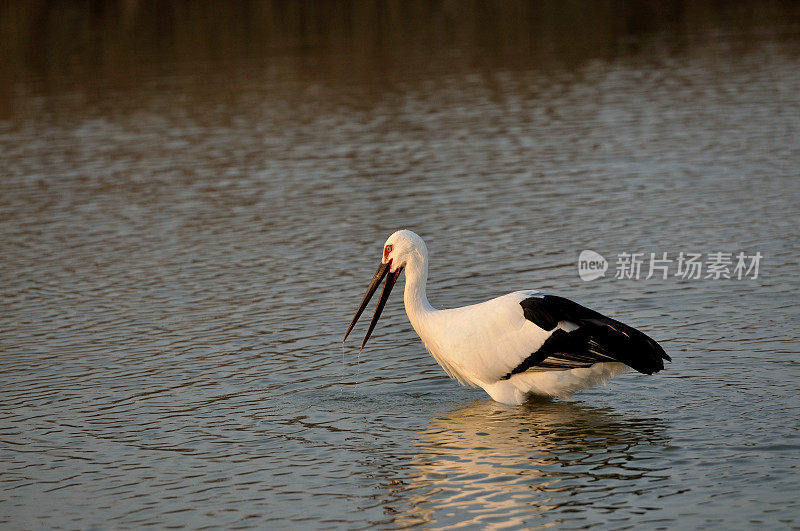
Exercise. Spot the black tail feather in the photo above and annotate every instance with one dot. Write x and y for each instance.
(623, 343)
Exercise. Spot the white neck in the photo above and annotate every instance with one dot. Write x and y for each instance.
(424, 318)
(416, 301)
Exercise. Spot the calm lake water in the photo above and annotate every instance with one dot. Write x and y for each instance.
(191, 207)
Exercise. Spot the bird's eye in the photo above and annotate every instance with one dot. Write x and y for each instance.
(386, 251)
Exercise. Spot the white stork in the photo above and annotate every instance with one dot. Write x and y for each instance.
(523, 343)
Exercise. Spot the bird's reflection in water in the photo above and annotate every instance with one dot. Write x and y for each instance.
(541, 463)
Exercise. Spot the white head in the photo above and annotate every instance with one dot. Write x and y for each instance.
(401, 249)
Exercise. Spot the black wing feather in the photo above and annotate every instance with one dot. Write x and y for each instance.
(597, 338)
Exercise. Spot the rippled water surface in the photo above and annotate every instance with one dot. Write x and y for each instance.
(186, 235)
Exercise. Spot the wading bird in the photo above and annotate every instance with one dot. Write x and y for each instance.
(521, 344)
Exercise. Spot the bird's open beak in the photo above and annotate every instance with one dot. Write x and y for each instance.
(383, 270)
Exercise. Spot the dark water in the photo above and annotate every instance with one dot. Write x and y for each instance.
(193, 201)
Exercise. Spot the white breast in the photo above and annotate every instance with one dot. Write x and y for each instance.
(481, 343)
